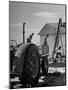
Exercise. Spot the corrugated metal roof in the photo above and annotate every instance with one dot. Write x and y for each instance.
(51, 28)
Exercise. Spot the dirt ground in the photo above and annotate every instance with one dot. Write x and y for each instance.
(56, 78)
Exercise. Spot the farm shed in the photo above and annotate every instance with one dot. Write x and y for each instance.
(51, 29)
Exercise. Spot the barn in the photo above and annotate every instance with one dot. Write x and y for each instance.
(51, 29)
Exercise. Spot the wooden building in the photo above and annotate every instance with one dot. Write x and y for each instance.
(51, 29)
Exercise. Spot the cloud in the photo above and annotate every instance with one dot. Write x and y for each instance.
(47, 14)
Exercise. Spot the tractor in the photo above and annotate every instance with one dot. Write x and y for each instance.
(26, 63)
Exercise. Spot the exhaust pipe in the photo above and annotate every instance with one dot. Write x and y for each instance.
(24, 32)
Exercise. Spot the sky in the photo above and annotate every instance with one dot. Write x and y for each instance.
(35, 15)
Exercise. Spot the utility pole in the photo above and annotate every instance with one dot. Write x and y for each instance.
(24, 32)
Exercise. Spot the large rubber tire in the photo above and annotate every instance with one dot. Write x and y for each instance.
(45, 65)
(31, 67)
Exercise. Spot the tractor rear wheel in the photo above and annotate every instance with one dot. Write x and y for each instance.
(31, 67)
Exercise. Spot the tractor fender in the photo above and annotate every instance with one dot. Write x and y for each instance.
(20, 57)
(21, 50)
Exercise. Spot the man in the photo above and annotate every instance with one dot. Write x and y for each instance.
(58, 54)
(30, 38)
(45, 49)
(45, 46)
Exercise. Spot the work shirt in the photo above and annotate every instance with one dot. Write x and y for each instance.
(45, 49)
